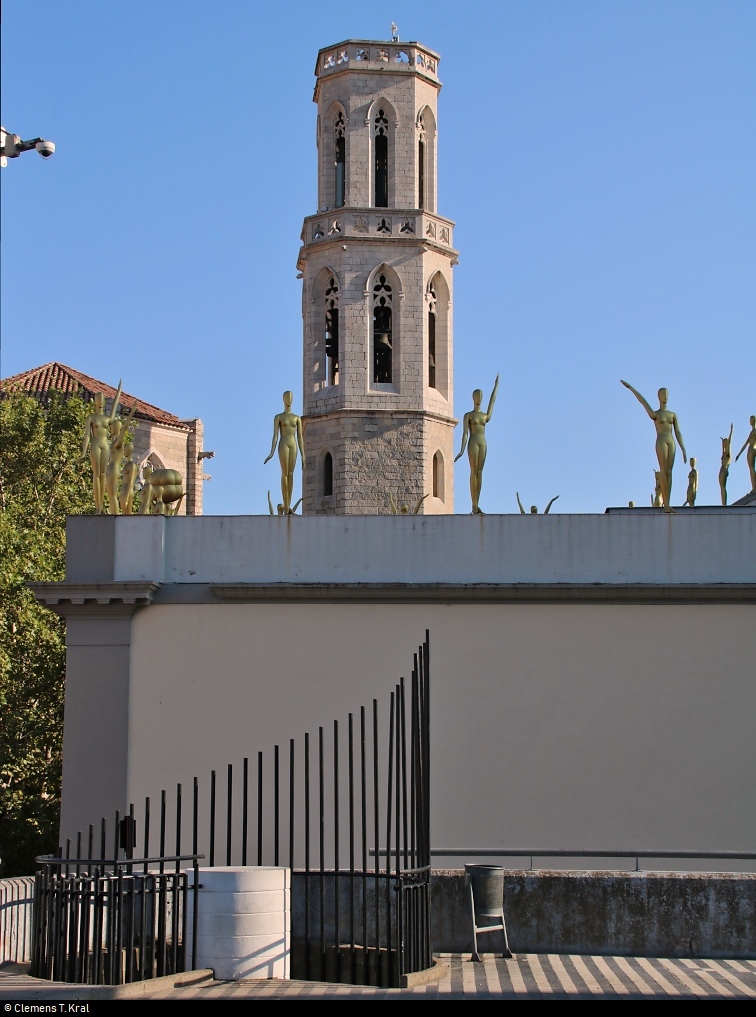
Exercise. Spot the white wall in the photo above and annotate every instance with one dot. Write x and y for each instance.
(635, 547)
(554, 725)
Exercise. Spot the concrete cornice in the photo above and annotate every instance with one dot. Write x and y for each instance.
(117, 597)
(517, 593)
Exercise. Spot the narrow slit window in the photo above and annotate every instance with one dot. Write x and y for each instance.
(340, 161)
(382, 332)
(421, 162)
(381, 159)
(432, 306)
(438, 476)
(327, 475)
(332, 332)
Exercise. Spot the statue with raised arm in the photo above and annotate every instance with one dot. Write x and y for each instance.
(128, 479)
(690, 497)
(474, 439)
(750, 444)
(96, 433)
(724, 469)
(667, 429)
(534, 508)
(118, 429)
(287, 434)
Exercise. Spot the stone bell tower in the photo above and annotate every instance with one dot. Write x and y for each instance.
(376, 266)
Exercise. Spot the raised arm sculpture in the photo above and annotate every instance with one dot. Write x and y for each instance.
(96, 434)
(667, 429)
(474, 439)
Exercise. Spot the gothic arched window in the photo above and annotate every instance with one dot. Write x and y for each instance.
(332, 332)
(381, 146)
(421, 161)
(432, 308)
(327, 475)
(438, 476)
(339, 128)
(382, 332)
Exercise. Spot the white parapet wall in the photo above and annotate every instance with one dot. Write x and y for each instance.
(625, 547)
(243, 921)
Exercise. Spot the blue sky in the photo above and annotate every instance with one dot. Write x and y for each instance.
(599, 159)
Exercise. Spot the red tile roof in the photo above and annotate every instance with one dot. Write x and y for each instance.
(40, 380)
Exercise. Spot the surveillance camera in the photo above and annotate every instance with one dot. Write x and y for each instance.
(45, 148)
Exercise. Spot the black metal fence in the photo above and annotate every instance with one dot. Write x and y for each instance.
(354, 794)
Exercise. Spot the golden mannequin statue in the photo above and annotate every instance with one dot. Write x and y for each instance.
(657, 498)
(690, 498)
(287, 432)
(534, 508)
(750, 444)
(128, 479)
(724, 469)
(117, 428)
(667, 429)
(96, 433)
(162, 489)
(474, 430)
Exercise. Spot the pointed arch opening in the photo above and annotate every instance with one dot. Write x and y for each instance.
(326, 475)
(333, 145)
(382, 120)
(438, 477)
(438, 334)
(383, 292)
(325, 335)
(426, 159)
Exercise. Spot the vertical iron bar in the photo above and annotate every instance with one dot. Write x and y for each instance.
(179, 799)
(413, 770)
(377, 840)
(229, 811)
(212, 818)
(175, 885)
(307, 851)
(291, 804)
(118, 922)
(245, 809)
(195, 865)
(162, 830)
(275, 805)
(351, 849)
(363, 831)
(146, 831)
(259, 808)
(336, 845)
(389, 811)
(143, 924)
(322, 859)
(404, 775)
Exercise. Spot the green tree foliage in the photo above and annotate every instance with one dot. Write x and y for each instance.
(42, 479)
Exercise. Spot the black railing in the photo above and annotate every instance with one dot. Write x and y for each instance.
(347, 803)
(104, 922)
